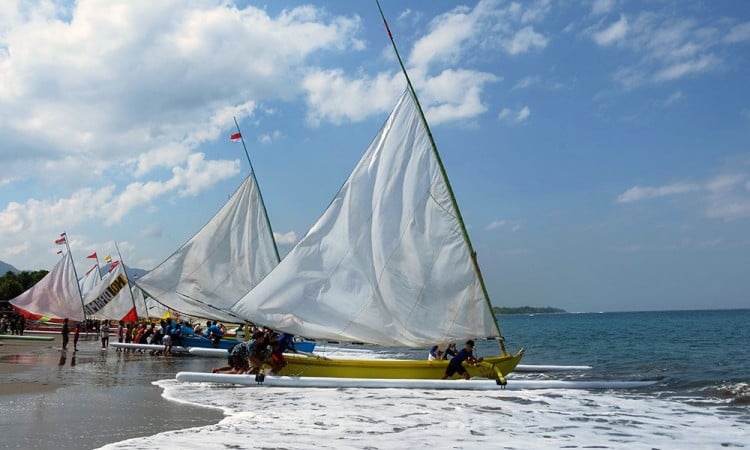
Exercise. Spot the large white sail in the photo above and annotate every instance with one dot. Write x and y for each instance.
(387, 262)
(221, 263)
(90, 279)
(111, 298)
(55, 296)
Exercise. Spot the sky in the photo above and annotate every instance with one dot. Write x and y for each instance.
(599, 150)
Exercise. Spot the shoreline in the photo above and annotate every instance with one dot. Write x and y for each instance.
(89, 398)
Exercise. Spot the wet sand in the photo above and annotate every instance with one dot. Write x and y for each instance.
(89, 398)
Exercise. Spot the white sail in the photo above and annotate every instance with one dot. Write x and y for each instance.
(90, 279)
(221, 263)
(387, 262)
(55, 296)
(146, 306)
(111, 298)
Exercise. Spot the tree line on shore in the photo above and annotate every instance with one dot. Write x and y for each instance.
(14, 284)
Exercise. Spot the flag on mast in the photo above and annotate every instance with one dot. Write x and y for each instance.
(59, 252)
(91, 256)
(236, 137)
(60, 241)
(108, 258)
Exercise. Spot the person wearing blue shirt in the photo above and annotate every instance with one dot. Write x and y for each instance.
(455, 366)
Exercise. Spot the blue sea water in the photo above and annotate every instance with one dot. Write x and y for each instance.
(699, 360)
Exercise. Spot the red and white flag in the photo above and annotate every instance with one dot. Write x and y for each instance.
(59, 252)
(60, 241)
(236, 137)
(92, 256)
(113, 266)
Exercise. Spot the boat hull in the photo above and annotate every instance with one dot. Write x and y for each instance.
(316, 366)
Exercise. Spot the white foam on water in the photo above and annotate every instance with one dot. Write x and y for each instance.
(268, 417)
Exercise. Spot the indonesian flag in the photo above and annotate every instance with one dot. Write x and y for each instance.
(60, 241)
(92, 256)
(114, 266)
(236, 137)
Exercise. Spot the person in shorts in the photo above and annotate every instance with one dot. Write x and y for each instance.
(455, 366)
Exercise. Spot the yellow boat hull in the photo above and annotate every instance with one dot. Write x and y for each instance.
(317, 366)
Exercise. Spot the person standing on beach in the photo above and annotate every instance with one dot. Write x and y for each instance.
(104, 334)
(65, 331)
(76, 335)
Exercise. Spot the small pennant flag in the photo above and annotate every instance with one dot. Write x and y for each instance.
(60, 241)
(113, 266)
(236, 137)
(91, 256)
(59, 252)
(108, 258)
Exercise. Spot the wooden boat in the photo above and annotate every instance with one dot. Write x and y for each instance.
(389, 263)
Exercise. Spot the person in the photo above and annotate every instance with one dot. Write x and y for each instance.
(435, 353)
(76, 335)
(455, 366)
(280, 343)
(104, 334)
(21, 324)
(237, 358)
(121, 333)
(65, 331)
(450, 351)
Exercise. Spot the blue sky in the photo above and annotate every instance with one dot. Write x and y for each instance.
(599, 150)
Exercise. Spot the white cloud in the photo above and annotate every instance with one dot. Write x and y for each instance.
(601, 7)
(288, 238)
(267, 138)
(524, 40)
(613, 33)
(738, 33)
(16, 249)
(678, 70)
(508, 116)
(526, 82)
(674, 98)
(637, 193)
(725, 196)
(497, 224)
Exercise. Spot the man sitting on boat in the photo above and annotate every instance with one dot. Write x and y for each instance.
(455, 366)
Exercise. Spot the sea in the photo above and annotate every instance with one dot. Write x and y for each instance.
(699, 362)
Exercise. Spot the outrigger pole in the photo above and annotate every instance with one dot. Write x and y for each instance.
(260, 196)
(465, 234)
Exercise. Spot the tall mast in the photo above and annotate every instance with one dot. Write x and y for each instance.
(260, 196)
(75, 272)
(445, 175)
(130, 287)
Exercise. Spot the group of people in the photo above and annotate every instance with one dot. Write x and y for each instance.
(15, 324)
(102, 329)
(457, 358)
(265, 347)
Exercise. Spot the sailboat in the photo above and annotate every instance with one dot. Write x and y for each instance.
(219, 264)
(388, 263)
(54, 297)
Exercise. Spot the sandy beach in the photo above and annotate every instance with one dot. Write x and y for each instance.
(85, 399)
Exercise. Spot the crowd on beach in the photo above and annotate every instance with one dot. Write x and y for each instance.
(13, 324)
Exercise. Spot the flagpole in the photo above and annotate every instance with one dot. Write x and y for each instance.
(130, 288)
(98, 267)
(260, 196)
(75, 272)
(465, 233)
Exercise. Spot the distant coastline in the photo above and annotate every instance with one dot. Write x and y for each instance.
(526, 310)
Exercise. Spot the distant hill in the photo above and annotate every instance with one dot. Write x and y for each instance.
(5, 268)
(527, 310)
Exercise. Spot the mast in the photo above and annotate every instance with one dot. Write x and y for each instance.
(260, 195)
(465, 234)
(130, 287)
(75, 273)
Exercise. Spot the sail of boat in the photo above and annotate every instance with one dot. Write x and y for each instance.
(54, 297)
(110, 299)
(90, 279)
(221, 263)
(387, 262)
